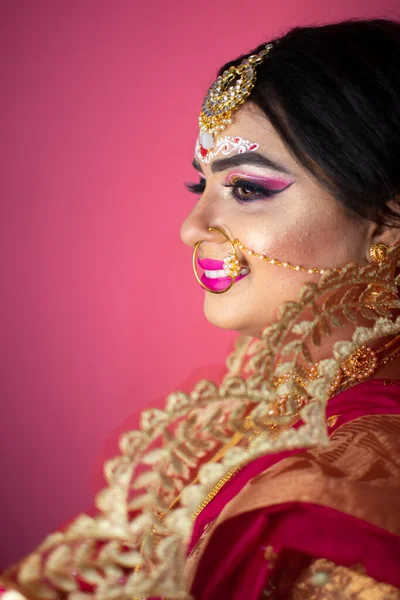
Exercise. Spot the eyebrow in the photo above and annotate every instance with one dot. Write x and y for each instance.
(254, 158)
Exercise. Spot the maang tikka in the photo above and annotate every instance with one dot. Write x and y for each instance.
(225, 96)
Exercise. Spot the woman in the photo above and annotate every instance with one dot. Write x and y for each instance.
(290, 470)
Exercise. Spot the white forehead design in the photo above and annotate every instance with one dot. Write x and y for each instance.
(225, 146)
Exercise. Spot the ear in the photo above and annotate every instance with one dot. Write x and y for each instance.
(385, 234)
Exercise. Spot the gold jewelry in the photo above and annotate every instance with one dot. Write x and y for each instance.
(159, 459)
(372, 294)
(231, 264)
(361, 363)
(378, 252)
(278, 263)
(227, 93)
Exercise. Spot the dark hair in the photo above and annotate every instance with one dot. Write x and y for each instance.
(333, 95)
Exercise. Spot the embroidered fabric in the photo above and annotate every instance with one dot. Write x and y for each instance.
(324, 580)
(136, 545)
(351, 484)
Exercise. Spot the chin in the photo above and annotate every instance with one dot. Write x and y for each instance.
(224, 315)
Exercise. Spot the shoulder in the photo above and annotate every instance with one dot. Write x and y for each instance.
(310, 503)
(354, 448)
(357, 473)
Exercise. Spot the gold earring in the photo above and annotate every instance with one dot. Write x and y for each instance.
(378, 252)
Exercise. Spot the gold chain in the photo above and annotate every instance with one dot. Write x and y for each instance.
(214, 491)
(341, 383)
(218, 486)
(234, 441)
(278, 263)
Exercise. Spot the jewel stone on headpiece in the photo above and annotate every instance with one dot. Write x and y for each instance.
(227, 93)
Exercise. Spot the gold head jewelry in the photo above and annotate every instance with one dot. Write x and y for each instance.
(225, 96)
(378, 252)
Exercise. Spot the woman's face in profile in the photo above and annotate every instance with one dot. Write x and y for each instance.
(267, 200)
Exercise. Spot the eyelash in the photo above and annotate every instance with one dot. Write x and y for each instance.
(257, 191)
(196, 188)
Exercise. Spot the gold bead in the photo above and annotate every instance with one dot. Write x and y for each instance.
(378, 252)
(361, 363)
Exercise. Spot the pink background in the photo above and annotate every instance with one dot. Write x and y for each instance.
(100, 313)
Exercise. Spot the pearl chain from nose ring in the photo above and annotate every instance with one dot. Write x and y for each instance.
(276, 262)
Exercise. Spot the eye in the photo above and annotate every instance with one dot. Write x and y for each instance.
(247, 191)
(196, 188)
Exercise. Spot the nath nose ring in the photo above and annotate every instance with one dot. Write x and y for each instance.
(231, 263)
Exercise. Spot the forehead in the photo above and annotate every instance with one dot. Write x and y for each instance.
(252, 125)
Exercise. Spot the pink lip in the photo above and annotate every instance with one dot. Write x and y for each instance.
(217, 285)
(210, 264)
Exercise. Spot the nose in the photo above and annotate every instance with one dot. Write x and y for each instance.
(195, 226)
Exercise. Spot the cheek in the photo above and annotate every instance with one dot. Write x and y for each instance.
(282, 242)
(310, 238)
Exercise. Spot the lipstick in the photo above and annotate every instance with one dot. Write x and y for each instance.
(214, 276)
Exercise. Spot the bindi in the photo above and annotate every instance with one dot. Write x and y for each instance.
(225, 146)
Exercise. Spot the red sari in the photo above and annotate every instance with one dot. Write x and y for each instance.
(313, 524)
(268, 529)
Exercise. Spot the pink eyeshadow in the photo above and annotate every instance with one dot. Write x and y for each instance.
(271, 183)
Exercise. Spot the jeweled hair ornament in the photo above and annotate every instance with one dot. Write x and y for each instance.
(225, 96)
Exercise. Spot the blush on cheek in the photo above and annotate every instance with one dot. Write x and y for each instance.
(263, 243)
(283, 248)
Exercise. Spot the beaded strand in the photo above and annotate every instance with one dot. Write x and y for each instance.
(278, 263)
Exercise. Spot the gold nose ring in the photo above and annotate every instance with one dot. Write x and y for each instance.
(231, 263)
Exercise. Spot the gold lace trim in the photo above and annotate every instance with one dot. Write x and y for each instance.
(358, 474)
(116, 552)
(324, 580)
